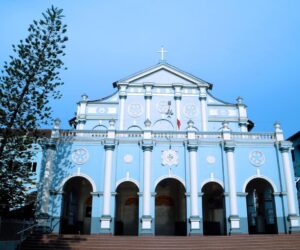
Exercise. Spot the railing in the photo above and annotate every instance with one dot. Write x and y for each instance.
(253, 136)
(169, 135)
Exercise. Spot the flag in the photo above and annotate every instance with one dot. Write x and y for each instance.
(178, 123)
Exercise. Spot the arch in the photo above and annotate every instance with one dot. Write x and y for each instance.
(76, 207)
(165, 122)
(100, 127)
(259, 177)
(159, 179)
(64, 181)
(213, 208)
(134, 128)
(261, 207)
(206, 181)
(127, 209)
(135, 182)
(170, 207)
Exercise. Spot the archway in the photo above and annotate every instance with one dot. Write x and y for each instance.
(261, 209)
(127, 209)
(213, 209)
(170, 208)
(77, 206)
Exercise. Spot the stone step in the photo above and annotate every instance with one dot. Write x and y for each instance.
(94, 242)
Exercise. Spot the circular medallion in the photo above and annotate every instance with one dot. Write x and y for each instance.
(169, 157)
(257, 158)
(128, 158)
(135, 110)
(210, 159)
(162, 107)
(190, 110)
(80, 156)
(102, 110)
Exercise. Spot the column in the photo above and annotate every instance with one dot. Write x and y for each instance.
(290, 185)
(122, 98)
(233, 218)
(146, 217)
(194, 218)
(148, 97)
(203, 105)
(109, 147)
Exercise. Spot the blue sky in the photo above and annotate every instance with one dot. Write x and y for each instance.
(245, 48)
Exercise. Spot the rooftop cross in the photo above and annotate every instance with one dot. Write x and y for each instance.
(162, 52)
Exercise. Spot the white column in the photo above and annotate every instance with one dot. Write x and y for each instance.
(122, 112)
(231, 181)
(106, 217)
(148, 107)
(193, 180)
(234, 218)
(146, 217)
(178, 114)
(288, 179)
(203, 105)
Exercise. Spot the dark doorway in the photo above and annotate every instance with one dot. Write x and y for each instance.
(170, 208)
(261, 210)
(213, 209)
(127, 209)
(77, 206)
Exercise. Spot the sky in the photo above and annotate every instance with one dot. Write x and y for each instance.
(244, 48)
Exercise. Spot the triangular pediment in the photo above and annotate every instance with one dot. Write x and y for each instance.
(164, 73)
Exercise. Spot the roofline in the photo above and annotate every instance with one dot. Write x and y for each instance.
(167, 65)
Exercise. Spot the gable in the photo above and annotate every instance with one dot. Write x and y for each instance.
(163, 76)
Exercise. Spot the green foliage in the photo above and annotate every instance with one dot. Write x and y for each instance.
(27, 83)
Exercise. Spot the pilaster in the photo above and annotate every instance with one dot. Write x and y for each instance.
(293, 216)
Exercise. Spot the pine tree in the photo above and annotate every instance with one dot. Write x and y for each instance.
(27, 82)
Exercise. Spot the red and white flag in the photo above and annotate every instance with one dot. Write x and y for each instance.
(178, 123)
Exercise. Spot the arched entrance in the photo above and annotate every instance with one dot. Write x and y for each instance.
(170, 208)
(127, 209)
(213, 209)
(77, 206)
(261, 210)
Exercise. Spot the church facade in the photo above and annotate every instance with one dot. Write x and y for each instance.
(163, 156)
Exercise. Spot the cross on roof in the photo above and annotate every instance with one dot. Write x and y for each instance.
(162, 51)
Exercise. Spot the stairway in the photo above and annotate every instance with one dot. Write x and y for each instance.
(95, 242)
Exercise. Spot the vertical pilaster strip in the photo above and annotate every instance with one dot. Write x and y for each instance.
(47, 178)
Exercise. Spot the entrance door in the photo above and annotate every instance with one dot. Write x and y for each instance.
(77, 206)
(170, 208)
(127, 209)
(213, 209)
(261, 207)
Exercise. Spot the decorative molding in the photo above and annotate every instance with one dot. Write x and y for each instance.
(128, 158)
(159, 179)
(257, 158)
(80, 156)
(169, 158)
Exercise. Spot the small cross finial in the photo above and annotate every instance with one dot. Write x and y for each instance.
(162, 51)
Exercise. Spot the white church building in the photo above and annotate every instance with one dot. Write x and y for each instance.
(163, 156)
